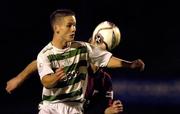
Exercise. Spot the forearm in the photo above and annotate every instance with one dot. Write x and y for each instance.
(13, 83)
(26, 73)
(118, 63)
(49, 81)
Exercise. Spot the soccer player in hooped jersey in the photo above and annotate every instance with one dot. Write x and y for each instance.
(63, 66)
(99, 94)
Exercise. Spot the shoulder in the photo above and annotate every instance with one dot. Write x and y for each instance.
(46, 50)
(79, 45)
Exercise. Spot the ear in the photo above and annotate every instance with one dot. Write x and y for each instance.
(56, 29)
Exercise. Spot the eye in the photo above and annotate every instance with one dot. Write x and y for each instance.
(69, 26)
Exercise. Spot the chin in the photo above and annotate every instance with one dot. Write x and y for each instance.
(71, 39)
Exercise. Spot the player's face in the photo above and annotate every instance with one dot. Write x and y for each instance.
(67, 28)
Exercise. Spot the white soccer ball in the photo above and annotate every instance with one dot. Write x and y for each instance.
(108, 33)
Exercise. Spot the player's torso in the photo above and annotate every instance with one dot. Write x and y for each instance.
(74, 62)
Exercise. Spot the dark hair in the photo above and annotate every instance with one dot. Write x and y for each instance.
(58, 14)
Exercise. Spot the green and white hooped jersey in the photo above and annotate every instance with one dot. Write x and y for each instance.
(75, 60)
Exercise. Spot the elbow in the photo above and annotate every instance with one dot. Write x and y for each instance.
(47, 86)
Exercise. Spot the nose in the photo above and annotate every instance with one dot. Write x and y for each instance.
(73, 28)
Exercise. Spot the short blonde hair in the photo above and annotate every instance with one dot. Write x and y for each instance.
(60, 13)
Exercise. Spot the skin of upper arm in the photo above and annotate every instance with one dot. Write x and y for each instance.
(114, 62)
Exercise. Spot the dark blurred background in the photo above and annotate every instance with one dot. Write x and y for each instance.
(150, 31)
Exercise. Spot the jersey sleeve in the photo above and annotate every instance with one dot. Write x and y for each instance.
(98, 56)
(43, 65)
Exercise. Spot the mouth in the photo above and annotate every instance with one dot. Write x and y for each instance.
(72, 35)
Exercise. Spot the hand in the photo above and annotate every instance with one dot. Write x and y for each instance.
(59, 73)
(138, 64)
(115, 108)
(13, 84)
(49, 81)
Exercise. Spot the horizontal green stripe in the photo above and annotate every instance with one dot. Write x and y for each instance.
(69, 54)
(75, 66)
(63, 96)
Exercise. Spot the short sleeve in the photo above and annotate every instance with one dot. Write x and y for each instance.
(98, 56)
(43, 65)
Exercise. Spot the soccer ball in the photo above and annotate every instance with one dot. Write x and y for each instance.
(108, 33)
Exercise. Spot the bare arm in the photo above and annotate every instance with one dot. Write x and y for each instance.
(13, 83)
(49, 81)
(119, 63)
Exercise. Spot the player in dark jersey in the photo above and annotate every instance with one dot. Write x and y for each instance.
(99, 93)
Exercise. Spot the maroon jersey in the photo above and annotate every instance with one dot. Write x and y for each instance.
(99, 92)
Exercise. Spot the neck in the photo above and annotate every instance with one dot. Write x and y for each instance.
(59, 43)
